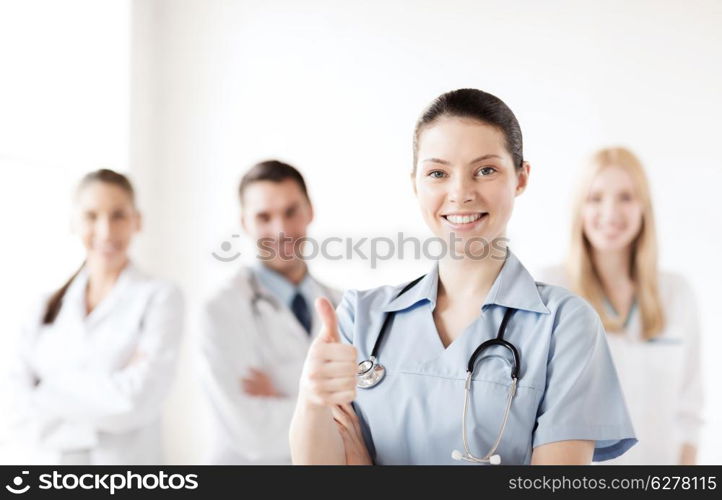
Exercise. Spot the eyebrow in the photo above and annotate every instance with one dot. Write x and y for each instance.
(444, 162)
(293, 206)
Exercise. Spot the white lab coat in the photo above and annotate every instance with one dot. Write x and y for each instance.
(662, 379)
(249, 429)
(92, 406)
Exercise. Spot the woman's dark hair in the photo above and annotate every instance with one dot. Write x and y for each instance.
(274, 171)
(478, 105)
(105, 176)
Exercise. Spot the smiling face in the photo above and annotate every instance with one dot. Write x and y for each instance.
(272, 210)
(106, 221)
(612, 213)
(465, 180)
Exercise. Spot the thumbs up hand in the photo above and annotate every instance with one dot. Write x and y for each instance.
(329, 330)
(329, 373)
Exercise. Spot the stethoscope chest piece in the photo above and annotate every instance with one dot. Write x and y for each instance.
(369, 374)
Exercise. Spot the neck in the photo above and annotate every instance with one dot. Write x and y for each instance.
(293, 271)
(101, 278)
(469, 277)
(613, 267)
(101, 274)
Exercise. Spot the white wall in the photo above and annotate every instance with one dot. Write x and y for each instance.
(64, 110)
(64, 107)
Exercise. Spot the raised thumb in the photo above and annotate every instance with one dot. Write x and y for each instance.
(329, 328)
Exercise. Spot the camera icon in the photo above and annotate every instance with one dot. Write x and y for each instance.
(226, 246)
(18, 489)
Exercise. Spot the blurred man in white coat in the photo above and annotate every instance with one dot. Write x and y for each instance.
(257, 327)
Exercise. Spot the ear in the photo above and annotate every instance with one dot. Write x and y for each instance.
(138, 222)
(522, 177)
(243, 222)
(412, 176)
(311, 213)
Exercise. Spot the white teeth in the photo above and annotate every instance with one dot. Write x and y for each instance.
(463, 219)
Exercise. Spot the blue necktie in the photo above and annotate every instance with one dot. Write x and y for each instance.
(300, 310)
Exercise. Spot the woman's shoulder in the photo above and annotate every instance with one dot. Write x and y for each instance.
(571, 315)
(679, 304)
(356, 304)
(554, 288)
(563, 303)
(371, 298)
(673, 285)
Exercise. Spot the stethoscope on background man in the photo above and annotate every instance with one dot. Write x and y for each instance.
(258, 295)
(371, 372)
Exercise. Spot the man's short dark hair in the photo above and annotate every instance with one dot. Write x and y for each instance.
(274, 171)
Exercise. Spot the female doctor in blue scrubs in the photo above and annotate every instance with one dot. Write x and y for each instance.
(544, 391)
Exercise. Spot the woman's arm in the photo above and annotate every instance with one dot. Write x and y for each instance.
(328, 379)
(314, 438)
(575, 452)
(688, 454)
(350, 429)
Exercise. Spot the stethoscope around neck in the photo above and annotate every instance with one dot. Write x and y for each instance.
(370, 373)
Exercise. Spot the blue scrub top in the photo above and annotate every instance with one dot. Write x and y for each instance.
(567, 388)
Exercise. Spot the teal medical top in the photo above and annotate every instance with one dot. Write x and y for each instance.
(567, 388)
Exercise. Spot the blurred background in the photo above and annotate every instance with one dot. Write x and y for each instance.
(184, 95)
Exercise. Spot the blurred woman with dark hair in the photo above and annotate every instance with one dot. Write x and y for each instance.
(97, 356)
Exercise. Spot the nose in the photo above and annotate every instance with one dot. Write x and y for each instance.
(287, 226)
(461, 190)
(609, 209)
(278, 226)
(102, 228)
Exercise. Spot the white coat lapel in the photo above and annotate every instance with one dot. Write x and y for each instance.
(114, 297)
(283, 318)
(278, 316)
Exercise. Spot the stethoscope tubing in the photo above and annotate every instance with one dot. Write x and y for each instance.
(371, 373)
